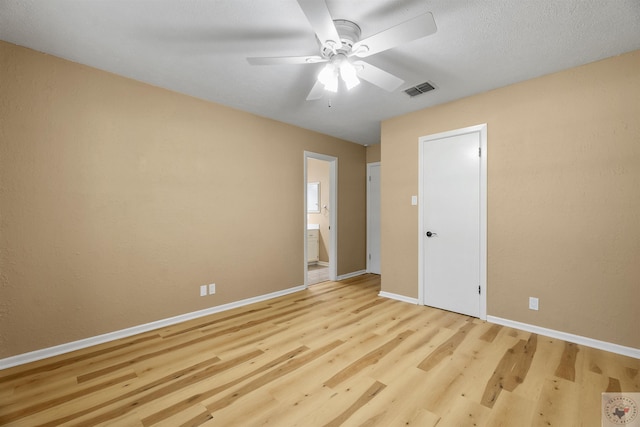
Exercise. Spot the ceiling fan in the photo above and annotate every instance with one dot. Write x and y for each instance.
(341, 48)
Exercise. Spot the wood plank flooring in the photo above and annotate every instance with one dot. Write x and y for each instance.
(335, 354)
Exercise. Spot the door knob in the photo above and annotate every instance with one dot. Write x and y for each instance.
(430, 234)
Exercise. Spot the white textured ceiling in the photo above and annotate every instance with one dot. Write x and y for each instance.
(199, 47)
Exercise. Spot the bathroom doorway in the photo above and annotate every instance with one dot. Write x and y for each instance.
(320, 213)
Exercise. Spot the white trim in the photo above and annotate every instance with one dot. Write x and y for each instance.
(482, 130)
(484, 154)
(578, 339)
(369, 165)
(398, 297)
(333, 214)
(320, 263)
(124, 333)
(350, 275)
(420, 224)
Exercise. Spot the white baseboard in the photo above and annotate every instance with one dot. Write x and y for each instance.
(589, 342)
(320, 263)
(350, 275)
(124, 333)
(398, 297)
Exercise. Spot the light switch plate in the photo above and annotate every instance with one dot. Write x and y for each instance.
(414, 200)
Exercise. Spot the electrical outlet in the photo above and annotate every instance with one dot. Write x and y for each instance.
(203, 290)
(533, 303)
(212, 289)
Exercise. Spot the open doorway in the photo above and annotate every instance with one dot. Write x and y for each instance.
(320, 217)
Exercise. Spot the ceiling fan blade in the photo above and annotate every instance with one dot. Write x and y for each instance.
(286, 60)
(415, 28)
(321, 21)
(378, 77)
(316, 91)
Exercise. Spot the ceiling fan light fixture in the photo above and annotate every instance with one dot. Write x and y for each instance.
(349, 75)
(332, 85)
(329, 78)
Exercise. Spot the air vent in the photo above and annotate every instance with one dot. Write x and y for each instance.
(419, 89)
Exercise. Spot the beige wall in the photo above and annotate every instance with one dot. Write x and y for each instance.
(318, 171)
(119, 199)
(563, 198)
(373, 153)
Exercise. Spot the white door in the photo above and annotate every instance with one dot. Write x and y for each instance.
(373, 218)
(451, 223)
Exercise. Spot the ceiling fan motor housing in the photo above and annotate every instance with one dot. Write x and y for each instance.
(349, 33)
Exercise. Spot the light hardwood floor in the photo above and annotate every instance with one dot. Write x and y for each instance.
(335, 354)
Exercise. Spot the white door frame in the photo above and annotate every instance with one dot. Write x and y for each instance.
(482, 130)
(333, 213)
(369, 165)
